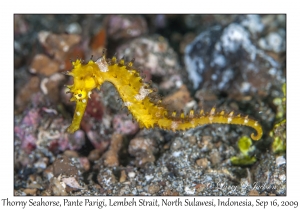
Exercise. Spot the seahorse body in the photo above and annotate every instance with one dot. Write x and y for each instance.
(147, 110)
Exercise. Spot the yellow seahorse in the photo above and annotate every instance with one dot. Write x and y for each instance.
(147, 110)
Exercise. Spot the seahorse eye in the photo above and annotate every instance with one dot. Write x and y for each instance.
(80, 94)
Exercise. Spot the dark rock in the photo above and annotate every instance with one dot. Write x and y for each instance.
(64, 166)
(226, 59)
